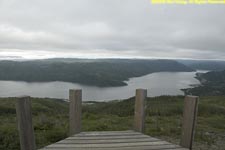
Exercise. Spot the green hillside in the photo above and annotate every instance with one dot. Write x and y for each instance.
(213, 65)
(106, 72)
(50, 118)
(212, 83)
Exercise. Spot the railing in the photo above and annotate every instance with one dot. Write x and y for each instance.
(26, 131)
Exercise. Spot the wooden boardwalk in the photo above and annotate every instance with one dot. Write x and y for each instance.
(107, 140)
(112, 140)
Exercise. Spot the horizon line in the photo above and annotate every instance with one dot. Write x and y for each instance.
(17, 58)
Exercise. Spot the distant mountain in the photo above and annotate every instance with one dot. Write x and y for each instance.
(98, 72)
(212, 65)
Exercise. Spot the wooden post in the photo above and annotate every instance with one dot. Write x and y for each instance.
(139, 112)
(189, 121)
(75, 97)
(25, 127)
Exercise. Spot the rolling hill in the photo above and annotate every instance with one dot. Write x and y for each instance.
(103, 72)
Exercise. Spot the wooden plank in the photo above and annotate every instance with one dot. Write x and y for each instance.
(151, 147)
(77, 141)
(108, 137)
(189, 121)
(106, 145)
(25, 127)
(139, 114)
(75, 97)
(107, 134)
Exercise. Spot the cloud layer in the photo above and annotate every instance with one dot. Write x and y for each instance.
(116, 28)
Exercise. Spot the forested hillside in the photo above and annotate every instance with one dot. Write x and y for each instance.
(106, 72)
(212, 65)
(212, 83)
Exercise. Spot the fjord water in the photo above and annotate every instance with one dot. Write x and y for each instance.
(162, 83)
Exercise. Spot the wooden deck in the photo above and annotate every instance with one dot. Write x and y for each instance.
(107, 140)
(112, 140)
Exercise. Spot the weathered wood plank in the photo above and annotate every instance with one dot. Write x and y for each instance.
(119, 144)
(108, 137)
(75, 97)
(151, 147)
(99, 141)
(139, 114)
(112, 140)
(106, 145)
(107, 134)
(25, 127)
(189, 121)
(126, 148)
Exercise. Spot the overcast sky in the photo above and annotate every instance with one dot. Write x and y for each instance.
(110, 28)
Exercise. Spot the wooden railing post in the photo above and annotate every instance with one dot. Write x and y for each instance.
(25, 127)
(75, 97)
(139, 112)
(189, 121)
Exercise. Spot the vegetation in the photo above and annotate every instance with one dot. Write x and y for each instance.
(163, 120)
(213, 65)
(106, 72)
(212, 83)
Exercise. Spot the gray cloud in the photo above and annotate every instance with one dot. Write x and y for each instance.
(127, 28)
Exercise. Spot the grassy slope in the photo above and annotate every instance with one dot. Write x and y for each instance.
(163, 120)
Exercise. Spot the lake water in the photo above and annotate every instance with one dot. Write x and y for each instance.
(162, 83)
